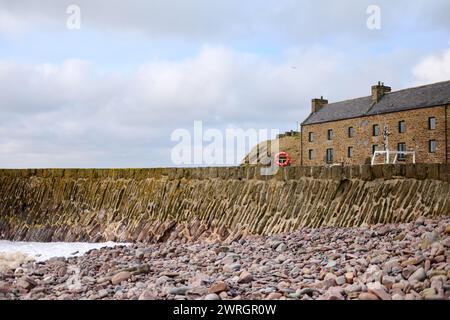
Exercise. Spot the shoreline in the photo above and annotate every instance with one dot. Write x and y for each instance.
(382, 262)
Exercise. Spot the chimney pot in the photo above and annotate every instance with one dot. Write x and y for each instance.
(379, 90)
(317, 104)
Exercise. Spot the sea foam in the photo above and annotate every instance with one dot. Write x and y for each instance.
(14, 253)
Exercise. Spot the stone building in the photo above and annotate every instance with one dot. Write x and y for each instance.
(348, 132)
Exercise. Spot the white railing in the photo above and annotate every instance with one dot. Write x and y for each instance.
(387, 154)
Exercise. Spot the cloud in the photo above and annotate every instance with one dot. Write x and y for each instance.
(433, 68)
(101, 96)
(73, 114)
(232, 20)
(11, 24)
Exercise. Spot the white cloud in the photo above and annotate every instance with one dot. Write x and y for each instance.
(74, 113)
(433, 68)
(15, 20)
(71, 114)
(219, 21)
(11, 24)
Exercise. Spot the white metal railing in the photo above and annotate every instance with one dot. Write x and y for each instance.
(387, 154)
(335, 164)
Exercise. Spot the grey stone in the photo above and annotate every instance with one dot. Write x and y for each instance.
(212, 296)
(179, 290)
(281, 247)
(232, 267)
(418, 275)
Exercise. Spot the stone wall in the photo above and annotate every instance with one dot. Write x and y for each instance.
(212, 203)
(416, 137)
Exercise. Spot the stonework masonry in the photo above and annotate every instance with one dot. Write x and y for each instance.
(225, 204)
(417, 137)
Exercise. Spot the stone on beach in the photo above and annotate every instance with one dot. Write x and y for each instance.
(366, 263)
(218, 287)
(119, 277)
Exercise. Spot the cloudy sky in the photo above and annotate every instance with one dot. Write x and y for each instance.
(111, 93)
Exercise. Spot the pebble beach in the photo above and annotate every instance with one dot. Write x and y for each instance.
(408, 261)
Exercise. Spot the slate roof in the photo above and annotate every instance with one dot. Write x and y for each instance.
(412, 98)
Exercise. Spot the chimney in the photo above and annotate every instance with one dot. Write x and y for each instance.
(317, 104)
(379, 90)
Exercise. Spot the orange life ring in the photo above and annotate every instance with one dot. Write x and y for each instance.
(282, 159)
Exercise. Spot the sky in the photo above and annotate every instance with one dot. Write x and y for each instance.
(112, 92)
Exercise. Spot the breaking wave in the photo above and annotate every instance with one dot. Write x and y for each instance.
(13, 254)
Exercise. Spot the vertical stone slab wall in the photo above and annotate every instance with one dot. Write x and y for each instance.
(212, 203)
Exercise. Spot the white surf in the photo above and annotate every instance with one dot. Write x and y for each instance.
(14, 253)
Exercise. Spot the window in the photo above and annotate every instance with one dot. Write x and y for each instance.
(350, 132)
(374, 148)
(311, 137)
(402, 126)
(311, 154)
(432, 146)
(330, 134)
(329, 155)
(431, 123)
(350, 152)
(375, 130)
(401, 147)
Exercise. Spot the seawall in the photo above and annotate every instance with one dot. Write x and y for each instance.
(150, 205)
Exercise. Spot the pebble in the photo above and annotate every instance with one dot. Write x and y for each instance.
(349, 277)
(4, 287)
(245, 277)
(334, 293)
(380, 293)
(408, 271)
(119, 277)
(397, 296)
(340, 280)
(420, 221)
(162, 280)
(281, 248)
(223, 295)
(102, 293)
(367, 296)
(147, 295)
(179, 290)
(447, 230)
(353, 288)
(428, 293)
(308, 291)
(218, 287)
(388, 281)
(274, 296)
(212, 296)
(24, 284)
(418, 275)
(367, 263)
(232, 267)
(230, 258)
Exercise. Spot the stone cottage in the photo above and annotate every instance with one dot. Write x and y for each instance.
(414, 121)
